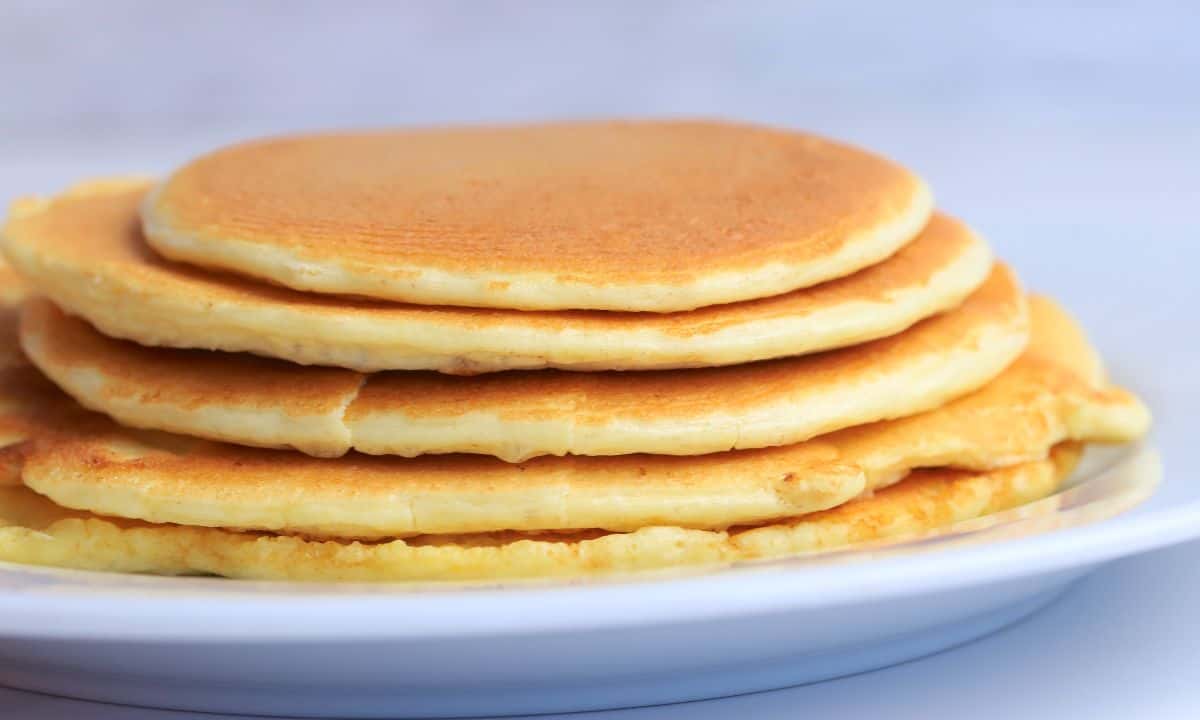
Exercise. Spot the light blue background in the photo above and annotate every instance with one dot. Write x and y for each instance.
(1068, 133)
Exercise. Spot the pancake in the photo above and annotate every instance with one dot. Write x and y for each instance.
(84, 250)
(33, 530)
(12, 292)
(634, 216)
(12, 288)
(29, 406)
(522, 414)
(1054, 393)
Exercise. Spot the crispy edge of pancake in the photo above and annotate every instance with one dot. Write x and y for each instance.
(887, 206)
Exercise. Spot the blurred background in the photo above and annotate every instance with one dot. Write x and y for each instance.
(1068, 133)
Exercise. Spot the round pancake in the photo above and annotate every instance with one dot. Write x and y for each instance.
(522, 414)
(33, 530)
(1054, 393)
(84, 250)
(643, 216)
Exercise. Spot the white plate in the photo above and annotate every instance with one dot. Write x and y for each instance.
(379, 651)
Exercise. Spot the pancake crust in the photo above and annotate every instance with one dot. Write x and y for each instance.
(523, 414)
(84, 250)
(647, 216)
(35, 531)
(1054, 393)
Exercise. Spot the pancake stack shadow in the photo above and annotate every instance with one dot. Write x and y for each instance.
(539, 351)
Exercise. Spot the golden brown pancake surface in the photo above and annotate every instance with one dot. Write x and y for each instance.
(650, 215)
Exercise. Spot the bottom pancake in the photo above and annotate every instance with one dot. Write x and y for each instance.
(33, 530)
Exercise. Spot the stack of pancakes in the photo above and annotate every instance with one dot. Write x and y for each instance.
(550, 350)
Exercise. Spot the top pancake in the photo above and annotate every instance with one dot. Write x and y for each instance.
(83, 249)
(648, 216)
